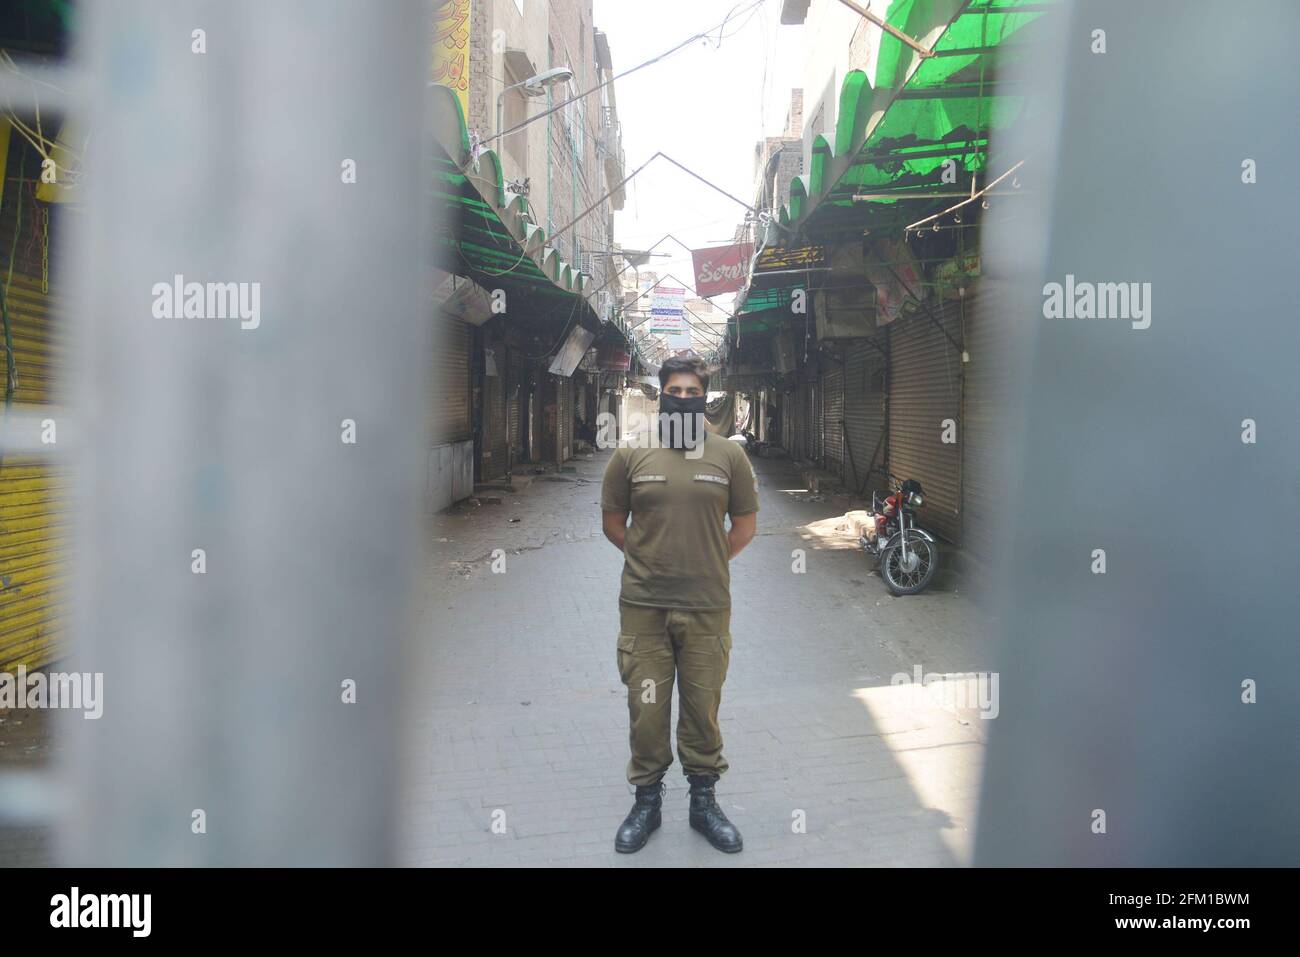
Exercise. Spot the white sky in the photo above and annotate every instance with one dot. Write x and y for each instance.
(705, 106)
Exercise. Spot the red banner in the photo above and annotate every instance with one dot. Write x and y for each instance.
(721, 268)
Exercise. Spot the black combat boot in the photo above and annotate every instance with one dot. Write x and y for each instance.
(642, 821)
(707, 817)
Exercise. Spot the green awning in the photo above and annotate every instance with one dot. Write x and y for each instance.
(898, 126)
(762, 300)
(768, 319)
(493, 239)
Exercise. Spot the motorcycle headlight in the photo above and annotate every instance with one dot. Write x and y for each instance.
(915, 500)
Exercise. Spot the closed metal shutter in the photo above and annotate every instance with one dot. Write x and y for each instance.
(495, 424)
(790, 431)
(35, 511)
(563, 418)
(581, 404)
(994, 375)
(517, 386)
(832, 417)
(449, 416)
(808, 426)
(864, 417)
(545, 417)
(788, 423)
(512, 418)
(805, 437)
(815, 420)
(802, 442)
(925, 393)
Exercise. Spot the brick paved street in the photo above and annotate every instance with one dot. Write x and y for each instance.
(521, 714)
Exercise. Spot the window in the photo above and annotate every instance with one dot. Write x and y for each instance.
(517, 143)
(515, 112)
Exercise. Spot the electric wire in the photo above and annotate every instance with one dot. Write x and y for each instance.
(627, 72)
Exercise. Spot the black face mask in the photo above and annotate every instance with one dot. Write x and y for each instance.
(681, 421)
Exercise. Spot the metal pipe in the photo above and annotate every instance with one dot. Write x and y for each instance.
(892, 31)
(970, 199)
(865, 197)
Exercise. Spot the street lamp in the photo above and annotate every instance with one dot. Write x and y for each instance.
(534, 86)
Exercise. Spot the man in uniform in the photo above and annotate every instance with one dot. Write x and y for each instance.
(678, 485)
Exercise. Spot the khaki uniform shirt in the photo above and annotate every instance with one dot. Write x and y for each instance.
(676, 554)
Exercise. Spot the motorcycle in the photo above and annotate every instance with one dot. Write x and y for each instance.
(908, 554)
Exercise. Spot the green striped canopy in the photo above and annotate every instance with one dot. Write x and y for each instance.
(898, 125)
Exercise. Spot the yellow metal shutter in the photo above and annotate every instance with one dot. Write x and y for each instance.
(34, 510)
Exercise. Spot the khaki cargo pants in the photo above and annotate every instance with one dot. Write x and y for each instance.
(655, 647)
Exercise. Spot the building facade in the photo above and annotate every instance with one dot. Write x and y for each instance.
(538, 111)
(874, 346)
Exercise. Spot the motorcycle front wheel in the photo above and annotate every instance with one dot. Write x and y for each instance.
(911, 576)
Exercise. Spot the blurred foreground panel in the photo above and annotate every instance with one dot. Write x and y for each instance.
(274, 421)
(1148, 580)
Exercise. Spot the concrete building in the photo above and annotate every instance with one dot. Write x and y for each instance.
(708, 325)
(875, 348)
(827, 60)
(534, 98)
(582, 135)
(509, 44)
(779, 159)
(569, 160)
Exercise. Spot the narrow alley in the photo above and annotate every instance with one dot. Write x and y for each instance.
(584, 434)
(526, 721)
